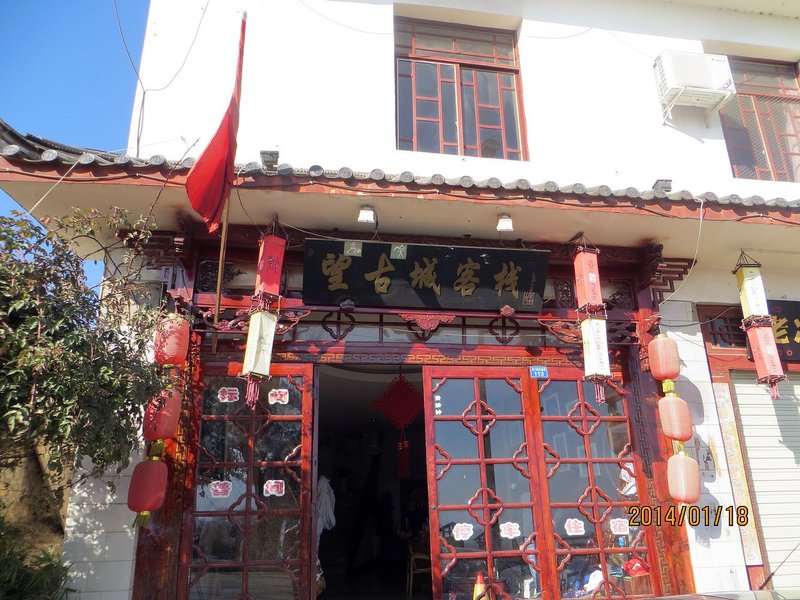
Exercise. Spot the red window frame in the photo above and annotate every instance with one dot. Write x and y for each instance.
(758, 146)
(460, 68)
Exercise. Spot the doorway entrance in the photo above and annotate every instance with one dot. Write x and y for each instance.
(370, 448)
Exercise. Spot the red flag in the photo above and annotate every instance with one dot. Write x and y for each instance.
(210, 179)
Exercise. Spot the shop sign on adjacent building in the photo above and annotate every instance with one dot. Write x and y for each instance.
(420, 276)
(787, 328)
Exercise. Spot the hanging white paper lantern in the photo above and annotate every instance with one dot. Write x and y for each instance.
(751, 291)
(260, 336)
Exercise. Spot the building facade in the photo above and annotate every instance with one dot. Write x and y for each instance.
(429, 361)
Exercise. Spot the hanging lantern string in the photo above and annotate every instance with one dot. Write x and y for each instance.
(745, 260)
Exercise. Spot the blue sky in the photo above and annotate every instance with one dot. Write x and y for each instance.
(65, 73)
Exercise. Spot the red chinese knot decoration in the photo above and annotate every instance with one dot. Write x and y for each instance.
(400, 403)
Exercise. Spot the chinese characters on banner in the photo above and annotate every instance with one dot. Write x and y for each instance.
(220, 489)
(228, 394)
(417, 276)
(274, 487)
(786, 328)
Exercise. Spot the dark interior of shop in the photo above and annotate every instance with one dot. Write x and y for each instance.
(379, 487)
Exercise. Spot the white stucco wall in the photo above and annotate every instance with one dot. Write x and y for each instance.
(318, 85)
(100, 540)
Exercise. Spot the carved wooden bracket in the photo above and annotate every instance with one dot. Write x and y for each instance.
(427, 322)
(568, 332)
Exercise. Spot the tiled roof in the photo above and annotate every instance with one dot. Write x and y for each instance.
(32, 149)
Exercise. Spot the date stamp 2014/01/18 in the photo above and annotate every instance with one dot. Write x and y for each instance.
(695, 516)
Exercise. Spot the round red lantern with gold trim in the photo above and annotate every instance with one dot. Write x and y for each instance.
(683, 478)
(172, 341)
(664, 360)
(162, 415)
(148, 488)
(676, 419)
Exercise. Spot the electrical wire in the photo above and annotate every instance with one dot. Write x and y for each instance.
(558, 37)
(694, 259)
(125, 43)
(696, 323)
(29, 213)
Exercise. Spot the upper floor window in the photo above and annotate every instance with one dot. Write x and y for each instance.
(762, 123)
(457, 90)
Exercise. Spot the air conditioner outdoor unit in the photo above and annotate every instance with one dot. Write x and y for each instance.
(693, 79)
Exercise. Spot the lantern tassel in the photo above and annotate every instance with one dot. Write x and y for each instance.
(773, 388)
(142, 519)
(251, 395)
(599, 391)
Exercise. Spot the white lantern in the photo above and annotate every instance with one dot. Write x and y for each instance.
(751, 291)
(595, 349)
(260, 336)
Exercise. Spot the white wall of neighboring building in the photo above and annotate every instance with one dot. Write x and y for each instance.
(100, 540)
(319, 86)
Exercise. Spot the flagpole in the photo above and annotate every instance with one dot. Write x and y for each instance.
(220, 270)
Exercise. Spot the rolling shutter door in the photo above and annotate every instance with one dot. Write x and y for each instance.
(771, 440)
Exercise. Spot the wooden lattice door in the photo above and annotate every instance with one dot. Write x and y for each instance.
(484, 486)
(247, 528)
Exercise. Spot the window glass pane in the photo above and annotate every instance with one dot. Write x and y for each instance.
(573, 526)
(402, 39)
(458, 484)
(456, 439)
(616, 480)
(432, 41)
(558, 398)
(276, 441)
(223, 395)
(451, 150)
(223, 441)
(563, 439)
(459, 583)
(608, 439)
(449, 112)
(517, 577)
(511, 529)
(577, 578)
(220, 489)
(428, 108)
(501, 396)
(279, 396)
(503, 439)
(467, 76)
(510, 113)
(404, 67)
(427, 80)
(568, 482)
(273, 537)
(460, 529)
(489, 116)
(476, 47)
(453, 396)
(487, 88)
(448, 72)
(507, 80)
(218, 539)
(405, 146)
(271, 582)
(427, 136)
(468, 119)
(491, 143)
(276, 487)
(223, 583)
(508, 483)
(514, 156)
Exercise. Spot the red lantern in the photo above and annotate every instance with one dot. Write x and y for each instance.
(765, 354)
(147, 489)
(587, 279)
(683, 476)
(161, 416)
(664, 360)
(270, 264)
(172, 341)
(676, 420)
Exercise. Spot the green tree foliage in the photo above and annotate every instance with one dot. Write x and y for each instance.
(73, 369)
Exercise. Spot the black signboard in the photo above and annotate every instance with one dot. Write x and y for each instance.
(417, 276)
(786, 328)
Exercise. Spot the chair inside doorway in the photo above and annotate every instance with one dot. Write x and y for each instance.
(380, 539)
